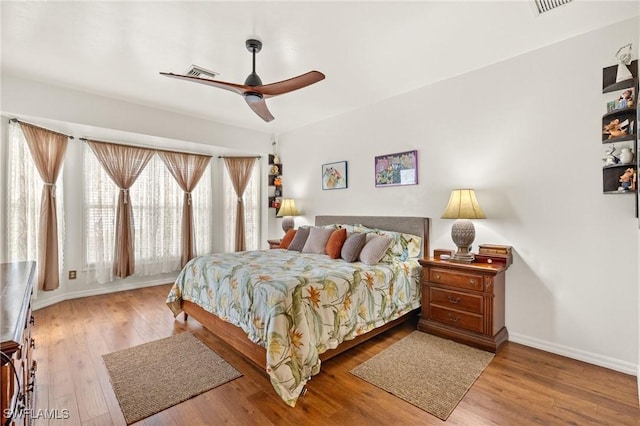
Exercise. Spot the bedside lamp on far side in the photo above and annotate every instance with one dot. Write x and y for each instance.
(287, 211)
(463, 206)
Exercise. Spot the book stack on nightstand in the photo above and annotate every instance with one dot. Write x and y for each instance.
(494, 254)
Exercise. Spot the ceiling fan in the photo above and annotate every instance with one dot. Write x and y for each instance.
(253, 91)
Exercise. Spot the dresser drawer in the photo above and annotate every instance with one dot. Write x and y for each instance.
(467, 321)
(456, 279)
(456, 300)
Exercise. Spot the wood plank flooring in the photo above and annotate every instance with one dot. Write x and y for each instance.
(521, 386)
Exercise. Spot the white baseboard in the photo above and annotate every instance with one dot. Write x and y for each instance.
(96, 291)
(579, 354)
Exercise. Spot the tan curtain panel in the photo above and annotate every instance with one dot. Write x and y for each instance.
(47, 149)
(187, 169)
(123, 164)
(240, 169)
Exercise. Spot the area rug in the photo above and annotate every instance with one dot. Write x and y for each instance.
(429, 372)
(154, 376)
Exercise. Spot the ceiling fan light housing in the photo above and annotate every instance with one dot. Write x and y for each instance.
(252, 97)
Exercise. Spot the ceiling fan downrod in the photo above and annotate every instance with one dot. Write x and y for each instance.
(253, 46)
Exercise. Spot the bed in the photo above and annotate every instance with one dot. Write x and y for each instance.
(288, 311)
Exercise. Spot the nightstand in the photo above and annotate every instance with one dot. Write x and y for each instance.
(464, 302)
(274, 244)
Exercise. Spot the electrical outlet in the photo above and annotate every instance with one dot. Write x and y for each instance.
(72, 275)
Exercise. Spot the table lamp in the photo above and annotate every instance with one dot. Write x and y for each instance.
(463, 206)
(287, 211)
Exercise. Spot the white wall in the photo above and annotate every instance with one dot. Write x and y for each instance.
(82, 114)
(526, 134)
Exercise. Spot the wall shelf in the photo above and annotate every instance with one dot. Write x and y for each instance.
(612, 173)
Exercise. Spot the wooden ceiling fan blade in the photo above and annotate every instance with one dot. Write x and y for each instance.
(233, 87)
(260, 108)
(286, 86)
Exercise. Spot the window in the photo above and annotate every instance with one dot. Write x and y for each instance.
(24, 192)
(157, 218)
(251, 210)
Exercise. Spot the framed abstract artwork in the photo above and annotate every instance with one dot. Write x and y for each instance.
(396, 169)
(334, 175)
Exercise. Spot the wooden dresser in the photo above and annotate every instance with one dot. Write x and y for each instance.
(18, 366)
(464, 302)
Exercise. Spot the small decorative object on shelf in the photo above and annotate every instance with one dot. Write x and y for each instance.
(610, 159)
(615, 128)
(626, 155)
(625, 100)
(627, 180)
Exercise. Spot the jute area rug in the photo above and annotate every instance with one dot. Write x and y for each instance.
(154, 376)
(429, 372)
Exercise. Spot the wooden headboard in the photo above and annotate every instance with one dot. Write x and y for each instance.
(411, 225)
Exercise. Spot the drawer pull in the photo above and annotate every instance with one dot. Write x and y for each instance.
(453, 301)
(32, 344)
(437, 276)
(472, 281)
(452, 318)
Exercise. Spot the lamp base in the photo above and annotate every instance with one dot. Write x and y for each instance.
(287, 223)
(463, 258)
(463, 233)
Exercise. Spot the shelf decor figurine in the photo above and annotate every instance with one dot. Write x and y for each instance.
(626, 180)
(615, 128)
(623, 55)
(626, 155)
(611, 159)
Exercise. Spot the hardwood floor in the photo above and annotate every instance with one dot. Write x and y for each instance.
(521, 386)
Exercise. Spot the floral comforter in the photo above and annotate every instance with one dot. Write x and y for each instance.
(297, 305)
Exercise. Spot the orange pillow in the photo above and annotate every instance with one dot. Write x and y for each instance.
(288, 237)
(334, 245)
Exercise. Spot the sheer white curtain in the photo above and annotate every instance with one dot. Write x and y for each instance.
(24, 190)
(157, 218)
(251, 210)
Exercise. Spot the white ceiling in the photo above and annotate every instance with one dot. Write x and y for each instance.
(369, 51)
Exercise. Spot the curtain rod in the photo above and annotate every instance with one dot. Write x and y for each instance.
(15, 120)
(150, 148)
(240, 156)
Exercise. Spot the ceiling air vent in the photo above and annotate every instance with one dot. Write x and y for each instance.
(196, 71)
(546, 5)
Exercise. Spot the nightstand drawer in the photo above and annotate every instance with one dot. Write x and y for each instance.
(457, 319)
(456, 279)
(456, 300)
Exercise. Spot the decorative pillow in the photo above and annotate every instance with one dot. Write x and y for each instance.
(375, 249)
(335, 243)
(403, 247)
(299, 239)
(288, 237)
(352, 246)
(350, 228)
(317, 240)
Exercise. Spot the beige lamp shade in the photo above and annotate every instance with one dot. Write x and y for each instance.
(287, 211)
(288, 208)
(463, 204)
